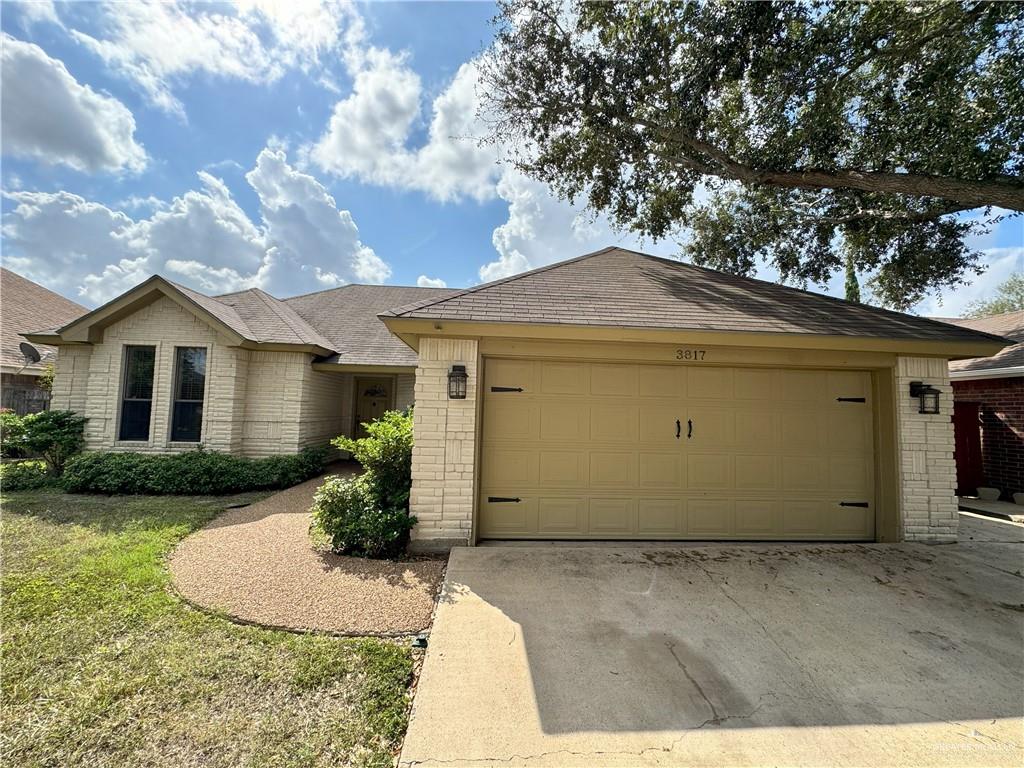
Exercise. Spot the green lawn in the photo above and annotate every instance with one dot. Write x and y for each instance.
(102, 665)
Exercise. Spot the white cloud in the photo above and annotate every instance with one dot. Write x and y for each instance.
(542, 229)
(367, 131)
(158, 45)
(50, 116)
(301, 219)
(368, 135)
(430, 282)
(202, 238)
(1001, 264)
(36, 12)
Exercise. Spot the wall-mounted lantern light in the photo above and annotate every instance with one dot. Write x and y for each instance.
(457, 379)
(927, 397)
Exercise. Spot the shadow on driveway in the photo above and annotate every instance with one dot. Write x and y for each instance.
(762, 654)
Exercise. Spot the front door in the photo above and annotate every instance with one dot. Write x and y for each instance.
(374, 396)
(967, 448)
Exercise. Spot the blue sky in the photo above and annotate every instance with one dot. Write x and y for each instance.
(287, 145)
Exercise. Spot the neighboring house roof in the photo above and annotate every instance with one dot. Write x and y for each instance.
(1007, 362)
(347, 316)
(25, 306)
(622, 288)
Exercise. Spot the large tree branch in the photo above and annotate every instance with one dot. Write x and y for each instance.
(967, 193)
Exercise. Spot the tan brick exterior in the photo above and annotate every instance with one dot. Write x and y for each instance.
(444, 455)
(257, 403)
(927, 470)
(405, 390)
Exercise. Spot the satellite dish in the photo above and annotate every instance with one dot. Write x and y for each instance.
(31, 353)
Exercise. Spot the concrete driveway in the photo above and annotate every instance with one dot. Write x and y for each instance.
(827, 654)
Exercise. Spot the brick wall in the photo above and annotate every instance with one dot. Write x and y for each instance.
(405, 390)
(927, 469)
(88, 379)
(1002, 429)
(257, 403)
(444, 454)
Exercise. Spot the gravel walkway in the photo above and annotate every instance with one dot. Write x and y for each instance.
(258, 564)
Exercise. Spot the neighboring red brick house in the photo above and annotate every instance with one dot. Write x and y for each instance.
(988, 416)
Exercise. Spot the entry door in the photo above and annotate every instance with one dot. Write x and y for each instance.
(374, 396)
(574, 450)
(967, 448)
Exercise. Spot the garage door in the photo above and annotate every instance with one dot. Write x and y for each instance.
(575, 450)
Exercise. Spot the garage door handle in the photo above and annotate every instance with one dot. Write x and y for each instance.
(851, 399)
(853, 504)
(506, 389)
(679, 428)
(503, 499)
(689, 428)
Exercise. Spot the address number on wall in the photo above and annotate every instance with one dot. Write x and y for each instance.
(690, 354)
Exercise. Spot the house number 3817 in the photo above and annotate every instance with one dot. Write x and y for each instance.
(690, 354)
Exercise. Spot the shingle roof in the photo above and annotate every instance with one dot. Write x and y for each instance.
(1010, 325)
(347, 316)
(270, 320)
(26, 306)
(621, 288)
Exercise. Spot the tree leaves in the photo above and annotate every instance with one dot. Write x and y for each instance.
(797, 133)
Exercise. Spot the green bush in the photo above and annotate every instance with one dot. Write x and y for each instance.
(346, 510)
(369, 515)
(198, 472)
(25, 476)
(386, 454)
(12, 430)
(54, 435)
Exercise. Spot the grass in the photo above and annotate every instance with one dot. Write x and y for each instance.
(103, 665)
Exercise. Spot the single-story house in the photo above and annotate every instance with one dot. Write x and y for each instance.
(612, 396)
(25, 306)
(988, 410)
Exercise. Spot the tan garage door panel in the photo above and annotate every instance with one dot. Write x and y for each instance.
(617, 451)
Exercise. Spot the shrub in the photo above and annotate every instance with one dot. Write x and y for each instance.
(192, 473)
(54, 435)
(386, 454)
(25, 475)
(12, 429)
(369, 515)
(346, 509)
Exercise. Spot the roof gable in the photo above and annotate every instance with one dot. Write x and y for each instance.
(615, 287)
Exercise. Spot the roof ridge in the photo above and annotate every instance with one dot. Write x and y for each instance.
(364, 285)
(501, 281)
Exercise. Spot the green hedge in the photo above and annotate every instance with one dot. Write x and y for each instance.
(25, 475)
(198, 472)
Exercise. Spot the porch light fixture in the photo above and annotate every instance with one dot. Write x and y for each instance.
(927, 396)
(457, 379)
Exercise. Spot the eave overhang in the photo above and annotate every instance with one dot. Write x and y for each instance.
(410, 330)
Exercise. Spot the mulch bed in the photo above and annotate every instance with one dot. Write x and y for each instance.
(257, 564)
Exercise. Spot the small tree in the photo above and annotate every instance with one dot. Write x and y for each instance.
(852, 286)
(54, 435)
(1009, 297)
(45, 379)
